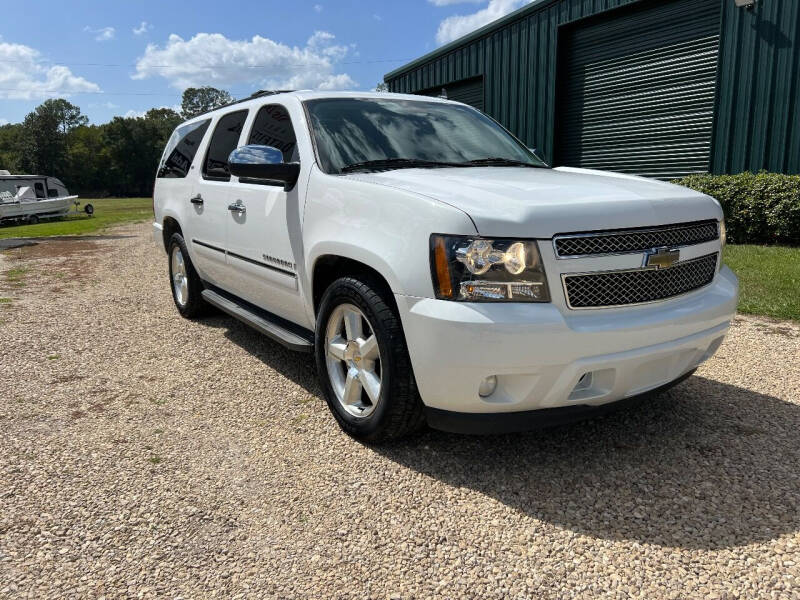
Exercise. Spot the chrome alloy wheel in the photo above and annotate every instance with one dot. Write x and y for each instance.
(180, 280)
(354, 361)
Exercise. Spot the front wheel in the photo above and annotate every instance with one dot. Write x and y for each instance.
(363, 363)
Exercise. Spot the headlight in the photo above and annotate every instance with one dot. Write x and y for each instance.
(473, 269)
(723, 232)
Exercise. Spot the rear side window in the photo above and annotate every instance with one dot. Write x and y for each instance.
(39, 187)
(181, 148)
(224, 141)
(273, 127)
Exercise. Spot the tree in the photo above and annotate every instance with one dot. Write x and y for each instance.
(382, 87)
(11, 137)
(45, 136)
(199, 100)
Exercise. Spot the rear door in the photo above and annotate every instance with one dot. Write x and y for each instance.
(260, 254)
(211, 196)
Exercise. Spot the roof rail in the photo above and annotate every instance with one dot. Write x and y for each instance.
(258, 94)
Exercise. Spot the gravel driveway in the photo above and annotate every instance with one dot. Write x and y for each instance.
(142, 455)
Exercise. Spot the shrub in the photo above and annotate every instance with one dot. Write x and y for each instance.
(762, 208)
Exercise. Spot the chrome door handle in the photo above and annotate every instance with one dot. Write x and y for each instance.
(197, 199)
(237, 206)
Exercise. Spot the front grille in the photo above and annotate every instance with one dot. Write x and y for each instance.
(636, 240)
(616, 288)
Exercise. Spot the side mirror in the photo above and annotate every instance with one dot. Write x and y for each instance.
(263, 164)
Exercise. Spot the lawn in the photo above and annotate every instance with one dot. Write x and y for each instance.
(107, 212)
(769, 279)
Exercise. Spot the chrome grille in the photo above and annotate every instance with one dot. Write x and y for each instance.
(617, 288)
(636, 240)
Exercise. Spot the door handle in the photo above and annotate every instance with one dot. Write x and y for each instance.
(237, 206)
(197, 199)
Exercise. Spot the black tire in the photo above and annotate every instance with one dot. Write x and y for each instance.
(33, 220)
(399, 411)
(88, 209)
(194, 305)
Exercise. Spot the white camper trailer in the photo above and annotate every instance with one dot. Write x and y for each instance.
(32, 197)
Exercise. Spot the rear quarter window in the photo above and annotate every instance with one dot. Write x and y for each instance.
(181, 149)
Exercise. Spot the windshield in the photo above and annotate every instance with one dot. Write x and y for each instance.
(352, 131)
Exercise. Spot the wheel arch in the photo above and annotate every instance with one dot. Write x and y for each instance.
(170, 226)
(329, 267)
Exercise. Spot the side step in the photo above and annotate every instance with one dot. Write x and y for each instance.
(259, 321)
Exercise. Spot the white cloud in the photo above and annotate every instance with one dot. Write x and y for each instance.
(4, 121)
(318, 8)
(108, 105)
(103, 34)
(449, 2)
(143, 28)
(135, 114)
(213, 59)
(457, 26)
(23, 77)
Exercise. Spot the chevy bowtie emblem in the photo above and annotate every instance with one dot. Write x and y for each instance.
(661, 258)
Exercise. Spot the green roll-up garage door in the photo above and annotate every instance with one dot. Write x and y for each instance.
(637, 87)
(468, 91)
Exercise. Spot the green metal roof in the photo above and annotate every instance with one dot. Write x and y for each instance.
(529, 8)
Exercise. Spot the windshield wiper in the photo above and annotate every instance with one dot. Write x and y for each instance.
(496, 161)
(397, 163)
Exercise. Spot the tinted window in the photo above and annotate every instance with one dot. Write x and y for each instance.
(39, 187)
(355, 130)
(224, 141)
(273, 127)
(181, 148)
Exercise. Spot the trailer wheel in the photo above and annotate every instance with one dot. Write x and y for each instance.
(33, 220)
(88, 209)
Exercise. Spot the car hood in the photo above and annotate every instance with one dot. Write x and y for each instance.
(539, 203)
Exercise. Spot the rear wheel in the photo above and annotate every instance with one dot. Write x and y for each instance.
(186, 285)
(33, 219)
(363, 362)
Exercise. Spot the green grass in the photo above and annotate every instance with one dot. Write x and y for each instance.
(107, 213)
(769, 279)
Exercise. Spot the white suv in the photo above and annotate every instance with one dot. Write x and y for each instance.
(437, 268)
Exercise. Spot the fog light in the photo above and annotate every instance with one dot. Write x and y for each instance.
(488, 386)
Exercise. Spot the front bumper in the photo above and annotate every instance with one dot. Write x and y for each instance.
(540, 352)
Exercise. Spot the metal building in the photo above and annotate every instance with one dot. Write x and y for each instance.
(661, 88)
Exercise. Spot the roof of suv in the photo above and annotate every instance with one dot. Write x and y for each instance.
(266, 98)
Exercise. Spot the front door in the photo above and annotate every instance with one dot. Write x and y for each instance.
(260, 254)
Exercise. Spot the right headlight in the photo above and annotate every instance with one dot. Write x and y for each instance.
(475, 269)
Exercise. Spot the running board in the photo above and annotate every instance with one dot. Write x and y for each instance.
(259, 322)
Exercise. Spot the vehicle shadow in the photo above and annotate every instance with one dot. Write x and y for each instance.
(296, 366)
(705, 465)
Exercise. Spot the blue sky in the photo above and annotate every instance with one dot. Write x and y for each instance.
(122, 58)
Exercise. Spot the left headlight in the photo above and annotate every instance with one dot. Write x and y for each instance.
(474, 269)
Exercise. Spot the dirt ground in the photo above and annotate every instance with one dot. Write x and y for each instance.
(143, 455)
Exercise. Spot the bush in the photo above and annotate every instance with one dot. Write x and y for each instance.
(761, 208)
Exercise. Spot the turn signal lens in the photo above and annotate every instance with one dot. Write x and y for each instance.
(443, 284)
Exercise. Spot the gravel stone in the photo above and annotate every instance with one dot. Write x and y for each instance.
(147, 456)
